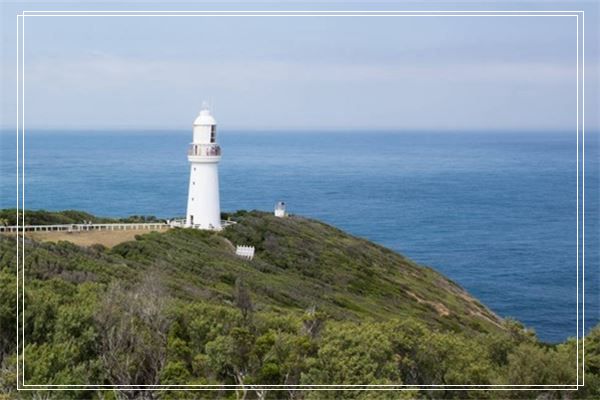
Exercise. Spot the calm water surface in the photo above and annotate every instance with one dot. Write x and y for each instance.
(496, 212)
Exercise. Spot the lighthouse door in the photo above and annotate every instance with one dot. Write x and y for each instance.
(191, 220)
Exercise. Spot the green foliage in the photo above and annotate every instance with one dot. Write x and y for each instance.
(140, 219)
(354, 354)
(8, 314)
(43, 217)
(592, 363)
(315, 306)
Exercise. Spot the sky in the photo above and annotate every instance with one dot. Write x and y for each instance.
(265, 73)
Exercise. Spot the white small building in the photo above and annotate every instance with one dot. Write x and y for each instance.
(279, 209)
(204, 154)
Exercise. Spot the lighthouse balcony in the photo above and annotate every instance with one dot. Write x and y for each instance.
(204, 150)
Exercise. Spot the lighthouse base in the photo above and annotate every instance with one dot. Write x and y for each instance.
(210, 228)
(203, 210)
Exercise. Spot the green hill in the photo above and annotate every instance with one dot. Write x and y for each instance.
(314, 306)
(301, 262)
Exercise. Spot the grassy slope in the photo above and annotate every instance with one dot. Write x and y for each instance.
(299, 263)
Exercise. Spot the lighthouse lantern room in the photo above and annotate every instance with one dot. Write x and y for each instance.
(203, 208)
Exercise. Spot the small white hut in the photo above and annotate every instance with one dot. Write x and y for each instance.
(280, 209)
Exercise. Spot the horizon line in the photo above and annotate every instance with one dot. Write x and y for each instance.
(353, 129)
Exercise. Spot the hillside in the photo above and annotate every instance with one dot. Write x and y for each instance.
(180, 306)
(299, 263)
(302, 262)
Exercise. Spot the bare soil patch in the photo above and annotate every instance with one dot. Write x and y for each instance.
(88, 238)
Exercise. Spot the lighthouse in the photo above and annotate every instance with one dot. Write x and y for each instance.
(203, 208)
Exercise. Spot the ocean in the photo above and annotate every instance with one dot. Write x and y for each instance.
(493, 211)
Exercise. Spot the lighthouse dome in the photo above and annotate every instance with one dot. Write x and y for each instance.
(204, 118)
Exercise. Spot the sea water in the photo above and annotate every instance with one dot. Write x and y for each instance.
(494, 211)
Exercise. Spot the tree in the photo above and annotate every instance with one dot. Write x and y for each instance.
(243, 300)
(313, 322)
(356, 354)
(134, 328)
(591, 389)
(8, 311)
(231, 356)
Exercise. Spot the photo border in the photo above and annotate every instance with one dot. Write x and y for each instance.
(20, 131)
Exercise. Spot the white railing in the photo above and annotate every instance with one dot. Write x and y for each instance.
(101, 227)
(226, 223)
(180, 223)
(245, 252)
(85, 227)
(211, 150)
(176, 223)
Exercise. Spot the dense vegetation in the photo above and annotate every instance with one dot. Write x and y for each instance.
(315, 306)
(42, 217)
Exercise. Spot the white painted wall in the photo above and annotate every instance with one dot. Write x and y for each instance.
(279, 210)
(202, 133)
(203, 208)
(203, 124)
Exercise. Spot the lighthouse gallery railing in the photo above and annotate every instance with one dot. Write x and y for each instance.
(204, 150)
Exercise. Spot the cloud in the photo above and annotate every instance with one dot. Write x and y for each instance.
(105, 90)
(99, 71)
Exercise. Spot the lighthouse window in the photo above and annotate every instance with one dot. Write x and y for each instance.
(213, 133)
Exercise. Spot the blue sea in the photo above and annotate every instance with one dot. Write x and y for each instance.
(495, 212)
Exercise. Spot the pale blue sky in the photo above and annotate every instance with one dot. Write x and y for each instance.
(482, 73)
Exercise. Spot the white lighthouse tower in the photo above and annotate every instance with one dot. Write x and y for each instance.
(203, 208)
